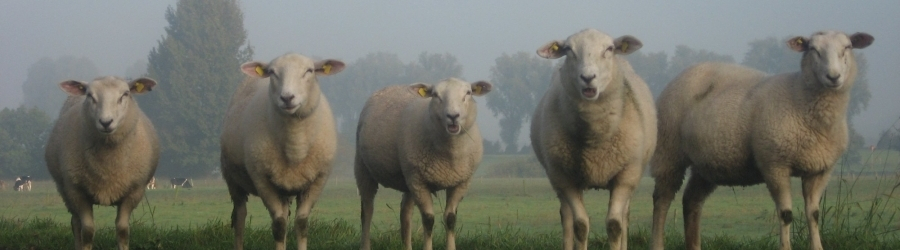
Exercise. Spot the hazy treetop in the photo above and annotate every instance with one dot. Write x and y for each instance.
(115, 34)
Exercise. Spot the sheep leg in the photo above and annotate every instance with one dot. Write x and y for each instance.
(565, 215)
(779, 184)
(422, 198)
(278, 209)
(123, 215)
(406, 209)
(580, 223)
(83, 224)
(454, 196)
(238, 214)
(305, 203)
(668, 178)
(617, 217)
(696, 192)
(813, 186)
(367, 188)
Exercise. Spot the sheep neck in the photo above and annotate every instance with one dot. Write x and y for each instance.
(597, 120)
(826, 108)
(291, 131)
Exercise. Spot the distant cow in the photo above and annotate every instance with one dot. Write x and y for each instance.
(152, 183)
(182, 182)
(23, 183)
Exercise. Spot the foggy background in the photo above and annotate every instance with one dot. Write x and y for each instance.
(116, 35)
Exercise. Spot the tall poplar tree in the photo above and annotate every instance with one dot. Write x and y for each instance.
(196, 64)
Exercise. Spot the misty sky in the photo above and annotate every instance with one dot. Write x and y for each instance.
(116, 34)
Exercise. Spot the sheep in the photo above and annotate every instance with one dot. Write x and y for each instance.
(278, 141)
(737, 127)
(418, 139)
(102, 150)
(595, 127)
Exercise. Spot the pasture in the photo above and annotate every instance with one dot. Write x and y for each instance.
(495, 212)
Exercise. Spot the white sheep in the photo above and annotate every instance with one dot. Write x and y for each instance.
(735, 126)
(102, 150)
(594, 128)
(278, 142)
(418, 139)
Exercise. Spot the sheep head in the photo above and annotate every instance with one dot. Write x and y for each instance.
(293, 82)
(452, 104)
(828, 58)
(590, 60)
(107, 99)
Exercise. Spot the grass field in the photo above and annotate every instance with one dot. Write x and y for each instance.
(497, 213)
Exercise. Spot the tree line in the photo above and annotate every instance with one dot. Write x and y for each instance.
(197, 63)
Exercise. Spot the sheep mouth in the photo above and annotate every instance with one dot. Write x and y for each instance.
(589, 92)
(453, 128)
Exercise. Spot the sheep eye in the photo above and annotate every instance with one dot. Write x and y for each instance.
(610, 48)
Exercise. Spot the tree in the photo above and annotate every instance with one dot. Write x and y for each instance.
(41, 86)
(432, 68)
(522, 79)
(196, 64)
(136, 70)
(652, 67)
(23, 134)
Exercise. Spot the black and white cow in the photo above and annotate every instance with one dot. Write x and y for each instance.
(181, 182)
(23, 183)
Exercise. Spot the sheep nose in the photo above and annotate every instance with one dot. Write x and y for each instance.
(453, 117)
(833, 78)
(588, 78)
(287, 99)
(105, 124)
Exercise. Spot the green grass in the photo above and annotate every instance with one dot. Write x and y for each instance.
(858, 212)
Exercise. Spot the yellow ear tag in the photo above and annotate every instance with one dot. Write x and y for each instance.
(477, 89)
(80, 87)
(139, 87)
(624, 46)
(800, 41)
(554, 47)
(259, 71)
(326, 68)
(422, 92)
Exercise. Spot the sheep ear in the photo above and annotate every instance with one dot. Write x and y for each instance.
(141, 85)
(255, 69)
(421, 89)
(480, 88)
(329, 67)
(73, 88)
(552, 50)
(627, 44)
(799, 44)
(861, 40)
